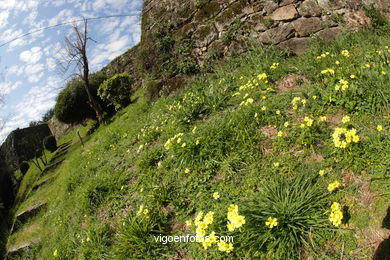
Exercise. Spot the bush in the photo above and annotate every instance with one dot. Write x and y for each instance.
(24, 166)
(72, 102)
(50, 143)
(116, 90)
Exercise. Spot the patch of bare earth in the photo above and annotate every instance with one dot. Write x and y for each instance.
(290, 82)
(370, 237)
(269, 131)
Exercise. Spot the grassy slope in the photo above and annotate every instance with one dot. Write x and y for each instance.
(96, 193)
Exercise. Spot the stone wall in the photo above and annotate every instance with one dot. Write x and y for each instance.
(180, 36)
(20, 145)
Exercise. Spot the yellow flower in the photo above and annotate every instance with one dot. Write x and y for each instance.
(379, 128)
(352, 76)
(263, 108)
(256, 115)
(337, 87)
(314, 97)
(286, 124)
(276, 164)
(88, 239)
(196, 142)
(277, 112)
(274, 65)
(280, 134)
(262, 76)
(302, 125)
(322, 118)
(345, 53)
(55, 253)
(141, 208)
(184, 145)
(216, 195)
(225, 247)
(337, 62)
(188, 223)
(271, 222)
(145, 211)
(335, 206)
(334, 185)
(187, 170)
(345, 119)
(321, 172)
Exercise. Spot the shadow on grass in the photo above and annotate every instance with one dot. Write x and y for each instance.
(383, 250)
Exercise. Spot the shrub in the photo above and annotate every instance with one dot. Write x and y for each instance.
(50, 143)
(72, 102)
(116, 90)
(24, 166)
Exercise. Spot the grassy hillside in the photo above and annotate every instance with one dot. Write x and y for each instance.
(289, 155)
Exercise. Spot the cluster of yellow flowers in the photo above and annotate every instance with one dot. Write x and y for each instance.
(168, 144)
(247, 102)
(296, 101)
(274, 65)
(271, 222)
(345, 53)
(343, 136)
(336, 214)
(145, 131)
(201, 225)
(308, 120)
(234, 219)
(344, 84)
(323, 55)
(334, 185)
(225, 247)
(327, 71)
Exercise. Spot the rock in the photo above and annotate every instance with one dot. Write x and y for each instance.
(284, 13)
(204, 35)
(309, 8)
(287, 2)
(270, 6)
(296, 45)
(257, 23)
(278, 34)
(209, 11)
(226, 17)
(290, 82)
(357, 19)
(330, 33)
(306, 26)
(328, 21)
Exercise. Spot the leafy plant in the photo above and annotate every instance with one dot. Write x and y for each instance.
(116, 90)
(284, 217)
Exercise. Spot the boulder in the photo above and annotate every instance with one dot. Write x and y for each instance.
(306, 26)
(276, 35)
(284, 13)
(309, 8)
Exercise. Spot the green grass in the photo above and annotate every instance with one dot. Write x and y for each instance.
(169, 157)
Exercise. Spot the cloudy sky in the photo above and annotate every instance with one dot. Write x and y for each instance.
(29, 75)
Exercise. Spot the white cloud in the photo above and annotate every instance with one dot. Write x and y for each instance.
(15, 70)
(99, 5)
(31, 56)
(4, 18)
(34, 72)
(7, 87)
(64, 15)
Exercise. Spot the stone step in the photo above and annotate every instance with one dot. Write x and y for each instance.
(23, 216)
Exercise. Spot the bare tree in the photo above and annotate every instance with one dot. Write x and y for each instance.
(76, 54)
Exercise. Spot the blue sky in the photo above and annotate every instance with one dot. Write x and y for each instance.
(29, 75)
